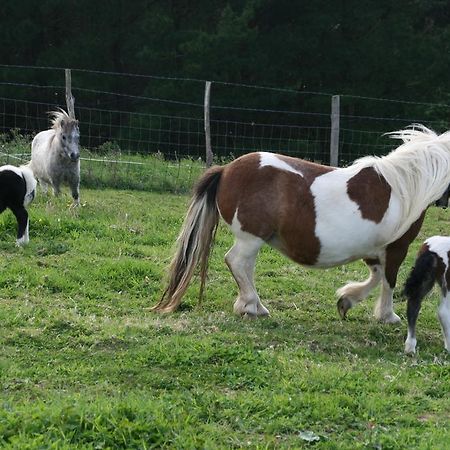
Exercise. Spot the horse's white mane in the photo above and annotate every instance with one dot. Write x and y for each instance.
(59, 117)
(418, 171)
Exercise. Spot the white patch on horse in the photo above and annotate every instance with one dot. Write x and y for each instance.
(272, 160)
(14, 169)
(343, 233)
(444, 318)
(439, 245)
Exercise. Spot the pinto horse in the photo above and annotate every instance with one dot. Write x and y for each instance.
(318, 216)
(17, 190)
(431, 266)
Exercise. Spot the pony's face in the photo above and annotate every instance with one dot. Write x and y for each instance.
(69, 137)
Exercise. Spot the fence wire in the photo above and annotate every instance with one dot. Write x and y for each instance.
(136, 133)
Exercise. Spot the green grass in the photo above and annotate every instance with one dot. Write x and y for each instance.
(85, 364)
(109, 167)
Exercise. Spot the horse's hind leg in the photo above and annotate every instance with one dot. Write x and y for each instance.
(353, 293)
(444, 318)
(241, 260)
(44, 186)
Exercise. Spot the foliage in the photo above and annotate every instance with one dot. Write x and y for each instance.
(85, 364)
(381, 49)
(106, 166)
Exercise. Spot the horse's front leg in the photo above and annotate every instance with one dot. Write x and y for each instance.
(352, 293)
(56, 186)
(395, 253)
(22, 225)
(75, 189)
(384, 307)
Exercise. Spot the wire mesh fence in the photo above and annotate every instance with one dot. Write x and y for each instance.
(146, 132)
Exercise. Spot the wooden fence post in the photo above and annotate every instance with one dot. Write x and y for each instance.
(70, 101)
(334, 138)
(209, 154)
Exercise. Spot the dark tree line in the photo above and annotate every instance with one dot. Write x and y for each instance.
(396, 49)
(375, 48)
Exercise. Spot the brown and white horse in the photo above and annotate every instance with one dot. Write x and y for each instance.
(318, 216)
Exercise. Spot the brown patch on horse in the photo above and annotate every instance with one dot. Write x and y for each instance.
(371, 192)
(397, 250)
(285, 221)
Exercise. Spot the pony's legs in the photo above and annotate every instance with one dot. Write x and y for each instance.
(384, 307)
(352, 293)
(241, 260)
(412, 311)
(75, 189)
(56, 189)
(22, 225)
(444, 318)
(394, 256)
(44, 186)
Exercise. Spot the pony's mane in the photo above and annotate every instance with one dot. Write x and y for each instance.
(418, 171)
(59, 117)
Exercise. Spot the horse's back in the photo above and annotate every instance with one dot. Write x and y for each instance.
(41, 141)
(264, 182)
(317, 215)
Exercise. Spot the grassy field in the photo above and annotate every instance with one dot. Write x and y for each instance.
(85, 364)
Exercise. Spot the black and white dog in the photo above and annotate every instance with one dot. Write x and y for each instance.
(17, 190)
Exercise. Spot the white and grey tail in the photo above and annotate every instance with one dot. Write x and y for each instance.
(194, 242)
(30, 182)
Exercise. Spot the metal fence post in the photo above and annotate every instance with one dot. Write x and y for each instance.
(209, 154)
(334, 138)
(70, 101)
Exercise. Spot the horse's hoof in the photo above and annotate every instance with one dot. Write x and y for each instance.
(392, 318)
(343, 305)
(262, 311)
(409, 350)
(248, 316)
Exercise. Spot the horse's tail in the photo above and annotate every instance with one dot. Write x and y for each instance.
(421, 279)
(194, 242)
